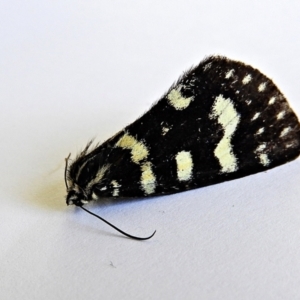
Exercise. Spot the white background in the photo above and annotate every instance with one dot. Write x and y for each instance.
(74, 70)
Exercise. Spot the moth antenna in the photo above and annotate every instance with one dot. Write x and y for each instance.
(116, 228)
(66, 170)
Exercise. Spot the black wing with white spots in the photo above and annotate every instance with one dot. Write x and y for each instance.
(220, 121)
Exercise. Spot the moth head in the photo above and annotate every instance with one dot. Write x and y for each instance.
(76, 196)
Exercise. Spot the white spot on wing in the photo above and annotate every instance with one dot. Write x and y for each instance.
(165, 130)
(280, 115)
(262, 87)
(272, 100)
(116, 187)
(176, 99)
(261, 147)
(148, 180)
(247, 79)
(260, 130)
(184, 165)
(223, 109)
(229, 74)
(207, 66)
(285, 131)
(138, 149)
(264, 160)
(255, 116)
(263, 157)
(289, 145)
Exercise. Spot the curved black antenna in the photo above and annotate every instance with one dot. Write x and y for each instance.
(116, 228)
(66, 170)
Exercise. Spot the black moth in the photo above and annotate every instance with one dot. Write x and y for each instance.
(220, 121)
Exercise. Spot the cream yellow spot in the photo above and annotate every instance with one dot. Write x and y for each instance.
(138, 149)
(261, 147)
(176, 99)
(165, 130)
(148, 180)
(184, 165)
(263, 157)
(262, 87)
(247, 79)
(264, 160)
(207, 66)
(255, 116)
(260, 130)
(280, 115)
(116, 186)
(285, 131)
(272, 100)
(228, 118)
(229, 73)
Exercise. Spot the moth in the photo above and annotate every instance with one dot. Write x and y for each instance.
(221, 120)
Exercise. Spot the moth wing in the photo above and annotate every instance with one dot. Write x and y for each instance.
(220, 121)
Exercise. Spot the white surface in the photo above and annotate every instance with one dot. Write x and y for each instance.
(73, 70)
